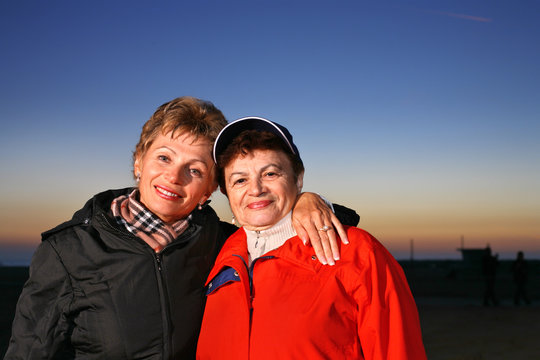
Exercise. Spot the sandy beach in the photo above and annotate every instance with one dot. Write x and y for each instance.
(468, 331)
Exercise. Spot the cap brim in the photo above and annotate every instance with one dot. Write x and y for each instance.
(232, 130)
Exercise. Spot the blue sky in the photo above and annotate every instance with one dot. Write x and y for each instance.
(421, 115)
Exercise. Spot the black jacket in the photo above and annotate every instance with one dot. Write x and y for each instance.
(97, 291)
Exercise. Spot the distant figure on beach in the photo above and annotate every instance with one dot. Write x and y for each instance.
(520, 269)
(489, 270)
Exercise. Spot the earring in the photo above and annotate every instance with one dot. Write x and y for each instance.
(203, 203)
(233, 221)
(138, 177)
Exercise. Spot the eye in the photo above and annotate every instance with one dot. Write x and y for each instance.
(163, 158)
(271, 174)
(239, 181)
(195, 172)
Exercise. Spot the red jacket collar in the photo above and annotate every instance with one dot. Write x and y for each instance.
(234, 254)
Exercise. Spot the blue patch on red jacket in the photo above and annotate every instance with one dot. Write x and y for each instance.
(227, 275)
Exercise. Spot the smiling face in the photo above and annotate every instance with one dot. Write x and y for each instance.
(176, 174)
(261, 188)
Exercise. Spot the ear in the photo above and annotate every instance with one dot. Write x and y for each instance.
(137, 167)
(206, 196)
(211, 188)
(300, 182)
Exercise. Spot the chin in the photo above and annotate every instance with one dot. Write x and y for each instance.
(262, 223)
(172, 214)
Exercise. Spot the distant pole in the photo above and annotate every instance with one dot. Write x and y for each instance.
(412, 250)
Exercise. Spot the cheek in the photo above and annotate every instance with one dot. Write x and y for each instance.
(208, 186)
(289, 202)
(289, 192)
(194, 190)
(234, 199)
(148, 172)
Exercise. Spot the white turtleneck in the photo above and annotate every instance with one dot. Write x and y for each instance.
(261, 242)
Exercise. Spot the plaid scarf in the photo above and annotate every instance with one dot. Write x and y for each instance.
(141, 222)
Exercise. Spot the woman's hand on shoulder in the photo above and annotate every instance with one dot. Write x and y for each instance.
(315, 222)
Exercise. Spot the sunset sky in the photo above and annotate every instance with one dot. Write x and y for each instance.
(423, 116)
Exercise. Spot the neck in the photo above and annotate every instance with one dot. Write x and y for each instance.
(259, 242)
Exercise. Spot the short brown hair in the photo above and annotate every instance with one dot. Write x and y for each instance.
(182, 115)
(247, 142)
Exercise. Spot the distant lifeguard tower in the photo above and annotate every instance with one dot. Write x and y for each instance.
(472, 256)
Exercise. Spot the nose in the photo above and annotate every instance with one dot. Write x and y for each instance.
(256, 187)
(175, 175)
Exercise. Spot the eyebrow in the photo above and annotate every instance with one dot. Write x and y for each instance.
(165, 147)
(191, 160)
(261, 170)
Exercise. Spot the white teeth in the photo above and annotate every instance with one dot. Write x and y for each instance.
(165, 192)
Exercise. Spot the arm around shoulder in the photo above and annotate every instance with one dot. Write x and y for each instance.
(345, 215)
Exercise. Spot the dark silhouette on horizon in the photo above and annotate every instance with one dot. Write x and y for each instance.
(520, 268)
(489, 270)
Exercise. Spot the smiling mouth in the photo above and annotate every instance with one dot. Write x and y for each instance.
(259, 204)
(166, 193)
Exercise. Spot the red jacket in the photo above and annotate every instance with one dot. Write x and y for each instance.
(297, 308)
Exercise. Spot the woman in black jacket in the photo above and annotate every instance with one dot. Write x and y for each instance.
(124, 278)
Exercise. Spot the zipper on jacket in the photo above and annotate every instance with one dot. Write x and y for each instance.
(162, 285)
(158, 261)
(168, 342)
(251, 295)
(163, 293)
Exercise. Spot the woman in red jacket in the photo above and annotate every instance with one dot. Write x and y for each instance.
(268, 297)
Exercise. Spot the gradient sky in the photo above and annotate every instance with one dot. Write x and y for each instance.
(423, 116)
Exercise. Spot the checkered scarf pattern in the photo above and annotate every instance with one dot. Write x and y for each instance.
(140, 221)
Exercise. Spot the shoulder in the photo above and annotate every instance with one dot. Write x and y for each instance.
(360, 239)
(235, 244)
(366, 261)
(228, 229)
(205, 216)
(364, 248)
(236, 241)
(208, 219)
(83, 216)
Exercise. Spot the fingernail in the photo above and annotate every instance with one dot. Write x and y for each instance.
(336, 258)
